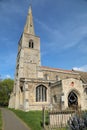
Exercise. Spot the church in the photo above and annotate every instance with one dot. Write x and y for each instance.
(36, 86)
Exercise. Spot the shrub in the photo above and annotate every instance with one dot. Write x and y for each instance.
(78, 122)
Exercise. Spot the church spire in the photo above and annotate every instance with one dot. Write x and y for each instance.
(29, 26)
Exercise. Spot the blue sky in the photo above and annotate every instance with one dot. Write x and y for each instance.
(61, 25)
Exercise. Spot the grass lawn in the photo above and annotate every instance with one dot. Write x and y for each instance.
(0, 120)
(31, 118)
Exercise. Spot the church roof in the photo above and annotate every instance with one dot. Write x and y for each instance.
(83, 75)
(57, 69)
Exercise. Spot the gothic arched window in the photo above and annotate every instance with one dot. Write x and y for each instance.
(31, 44)
(41, 93)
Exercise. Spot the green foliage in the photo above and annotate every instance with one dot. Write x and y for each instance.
(0, 121)
(31, 118)
(78, 121)
(6, 87)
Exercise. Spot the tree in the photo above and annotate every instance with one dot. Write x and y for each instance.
(6, 87)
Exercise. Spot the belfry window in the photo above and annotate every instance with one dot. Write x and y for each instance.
(41, 93)
(31, 44)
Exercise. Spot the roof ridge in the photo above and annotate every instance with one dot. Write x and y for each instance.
(56, 68)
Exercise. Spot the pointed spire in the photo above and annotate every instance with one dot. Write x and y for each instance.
(29, 26)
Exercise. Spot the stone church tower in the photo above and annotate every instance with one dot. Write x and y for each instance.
(27, 67)
(36, 86)
(28, 58)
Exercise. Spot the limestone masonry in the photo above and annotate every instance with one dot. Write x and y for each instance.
(36, 86)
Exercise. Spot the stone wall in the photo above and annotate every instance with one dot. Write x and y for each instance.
(56, 92)
(75, 85)
(62, 74)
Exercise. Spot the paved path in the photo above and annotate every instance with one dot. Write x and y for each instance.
(11, 121)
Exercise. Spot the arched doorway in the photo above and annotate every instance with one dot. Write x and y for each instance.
(73, 99)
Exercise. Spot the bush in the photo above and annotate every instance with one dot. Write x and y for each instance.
(78, 122)
(84, 116)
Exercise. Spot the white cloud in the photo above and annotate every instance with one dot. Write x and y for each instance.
(8, 76)
(48, 28)
(67, 38)
(82, 68)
